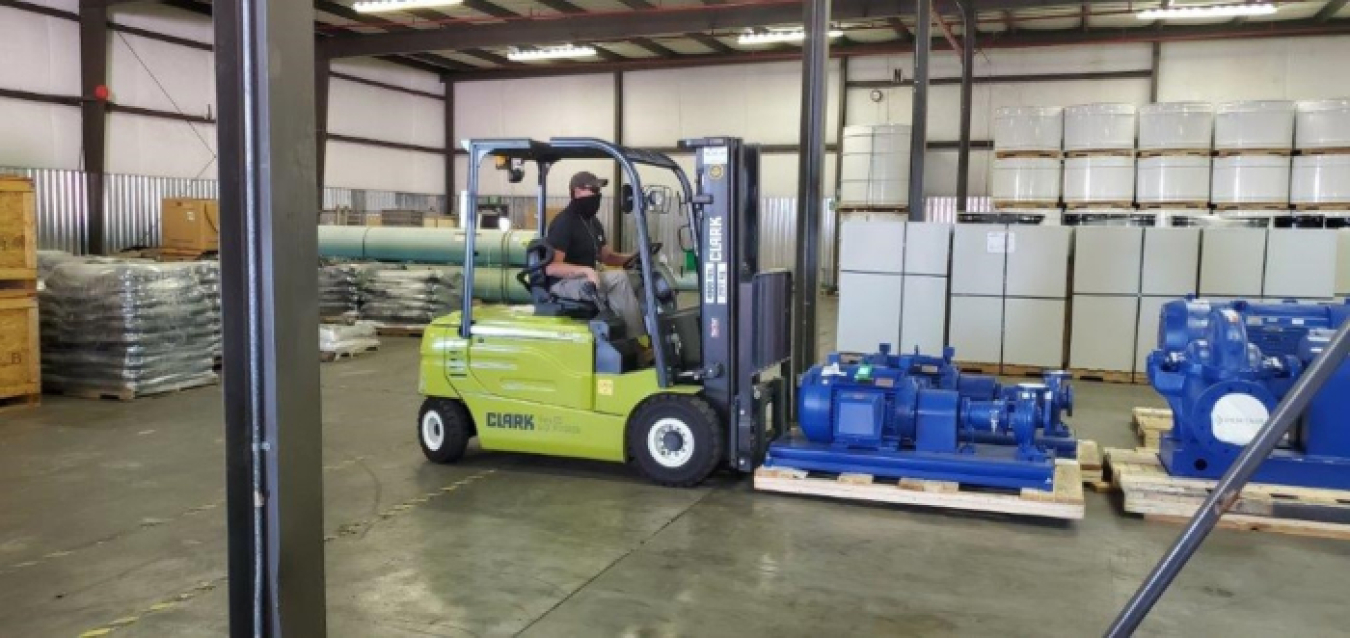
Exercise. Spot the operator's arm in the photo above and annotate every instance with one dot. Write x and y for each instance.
(562, 270)
(611, 258)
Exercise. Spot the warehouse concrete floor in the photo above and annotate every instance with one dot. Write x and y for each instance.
(111, 517)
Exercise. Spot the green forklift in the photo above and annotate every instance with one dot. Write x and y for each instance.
(562, 377)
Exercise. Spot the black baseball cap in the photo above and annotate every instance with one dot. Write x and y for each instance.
(586, 179)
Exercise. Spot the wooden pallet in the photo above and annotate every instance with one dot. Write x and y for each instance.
(861, 208)
(122, 395)
(19, 402)
(1267, 152)
(1007, 206)
(1028, 154)
(1150, 425)
(329, 356)
(1339, 150)
(339, 319)
(1278, 208)
(1091, 467)
(400, 330)
(1175, 152)
(1080, 205)
(1313, 208)
(1195, 206)
(1065, 501)
(1019, 370)
(975, 367)
(1151, 492)
(1104, 152)
(1105, 376)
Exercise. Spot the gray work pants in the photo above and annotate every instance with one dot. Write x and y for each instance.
(615, 290)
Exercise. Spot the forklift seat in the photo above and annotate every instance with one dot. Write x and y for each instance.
(538, 255)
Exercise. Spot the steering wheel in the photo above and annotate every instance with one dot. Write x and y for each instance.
(633, 261)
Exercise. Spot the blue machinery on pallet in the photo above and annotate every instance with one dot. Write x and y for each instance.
(917, 416)
(1224, 366)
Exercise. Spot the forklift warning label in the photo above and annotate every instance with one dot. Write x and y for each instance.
(715, 155)
(715, 271)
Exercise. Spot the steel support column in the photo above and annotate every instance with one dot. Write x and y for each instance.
(273, 440)
(968, 29)
(94, 116)
(616, 230)
(810, 174)
(1226, 492)
(451, 146)
(923, 41)
(322, 78)
(1153, 75)
(842, 120)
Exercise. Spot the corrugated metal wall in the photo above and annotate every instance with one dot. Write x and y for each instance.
(132, 203)
(943, 209)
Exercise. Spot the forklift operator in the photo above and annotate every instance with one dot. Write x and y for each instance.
(578, 241)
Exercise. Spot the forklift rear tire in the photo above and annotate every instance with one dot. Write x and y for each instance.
(443, 429)
(675, 439)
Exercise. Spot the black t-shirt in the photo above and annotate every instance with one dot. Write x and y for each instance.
(580, 239)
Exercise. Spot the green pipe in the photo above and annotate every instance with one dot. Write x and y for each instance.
(498, 285)
(423, 245)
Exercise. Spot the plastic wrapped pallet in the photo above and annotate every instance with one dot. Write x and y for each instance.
(128, 329)
(339, 340)
(338, 295)
(414, 295)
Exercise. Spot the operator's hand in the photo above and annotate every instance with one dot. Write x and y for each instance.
(593, 276)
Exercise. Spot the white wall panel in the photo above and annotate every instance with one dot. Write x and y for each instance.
(39, 135)
(162, 19)
(495, 182)
(139, 145)
(759, 102)
(1255, 69)
(574, 105)
(390, 73)
(939, 178)
(39, 53)
(377, 168)
(166, 76)
(368, 111)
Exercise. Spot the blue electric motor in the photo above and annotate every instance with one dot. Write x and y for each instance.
(919, 416)
(1223, 367)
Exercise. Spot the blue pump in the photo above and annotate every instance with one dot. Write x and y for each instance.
(918, 416)
(1224, 366)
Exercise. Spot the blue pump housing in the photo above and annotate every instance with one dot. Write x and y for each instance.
(918, 416)
(1224, 366)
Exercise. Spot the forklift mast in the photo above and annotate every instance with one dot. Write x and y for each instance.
(746, 311)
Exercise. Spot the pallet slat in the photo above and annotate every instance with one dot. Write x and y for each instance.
(329, 356)
(1105, 376)
(124, 394)
(1065, 501)
(1150, 425)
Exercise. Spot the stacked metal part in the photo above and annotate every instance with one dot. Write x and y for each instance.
(132, 328)
(1028, 170)
(1253, 141)
(1175, 144)
(1223, 367)
(413, 296)
(1320, 185)
(874, 168)
(338, 294)
(917, 416)
(1099, 176)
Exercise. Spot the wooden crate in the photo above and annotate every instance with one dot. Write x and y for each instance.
(1064, 501)
(18, 230)
(20, 366)
(1150, 491)
(1151, 424)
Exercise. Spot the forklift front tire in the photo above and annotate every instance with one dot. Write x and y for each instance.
(443, 429)
(675, 439)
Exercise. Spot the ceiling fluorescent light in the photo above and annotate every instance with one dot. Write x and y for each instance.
(378, 6)
(1211, 11)
(550, 53)
(774, 37)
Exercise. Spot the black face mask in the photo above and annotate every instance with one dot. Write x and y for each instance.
(587, 207)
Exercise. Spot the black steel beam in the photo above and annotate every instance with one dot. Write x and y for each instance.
(1141, 74)
(114, 107)
(190, 6)
(323, 73)
(923, 42)
(716, 45)
(1154, 71)
(616, 228)
(488, 56)
(42, 98)
(901, 31)
(399, 146)
(636, 5)
(607, 55)
(384, 85)
(487, 7)
(840, 120)
(1331, 9)
(562, 6)
(268, 248)
(451, 145)
(968, 31)
(810, 174)
(94, 116)
(654, 47)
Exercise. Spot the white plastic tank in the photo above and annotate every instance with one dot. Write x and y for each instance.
(1323, 124)
(874, 167)
(1250, 179)
(1320, 179)
(1255, 124)
(1176, 126)
(1028, 128)
(1099, 179)
(1172, 179)
(1099, 127)
(1026, 179)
